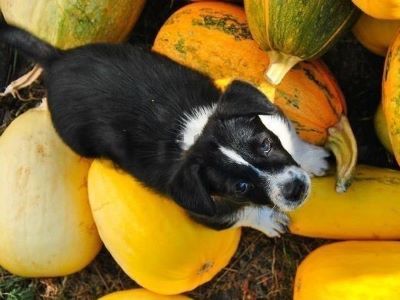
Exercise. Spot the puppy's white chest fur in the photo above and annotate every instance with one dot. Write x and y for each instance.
(193, 125)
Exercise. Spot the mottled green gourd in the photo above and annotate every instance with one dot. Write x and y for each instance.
(292, 31)
(67, 24)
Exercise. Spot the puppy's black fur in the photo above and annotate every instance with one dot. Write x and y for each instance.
(127, 104)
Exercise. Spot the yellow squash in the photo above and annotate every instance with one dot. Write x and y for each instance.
(46, 226)
(151, 237)
(391, 95)
(381, 129)
(141, 294)
(380, 9)
(350, 271)
(214, 38)
(374, 34)
(370, 209)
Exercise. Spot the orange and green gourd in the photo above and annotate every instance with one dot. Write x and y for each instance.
(214, 38)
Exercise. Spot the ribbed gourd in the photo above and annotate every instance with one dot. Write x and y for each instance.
(74, 23)
(292, 31)
(151, 237)
(46, 225)
(214, 38)
(391, 95)
(350, 271)
(381, 129)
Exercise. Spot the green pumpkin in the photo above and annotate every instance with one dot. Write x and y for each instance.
(71, 23)
(293, 30)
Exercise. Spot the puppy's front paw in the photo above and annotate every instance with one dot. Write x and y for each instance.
(277, 224)
(313, 160)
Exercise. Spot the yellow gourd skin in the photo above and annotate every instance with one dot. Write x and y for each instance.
(151, 237)
(381, 129)
(141, 294)
(391, 95)
(370, 208)
(46, 226)
(380, 9)
(68, 24)
(350, 271)
(374, 34)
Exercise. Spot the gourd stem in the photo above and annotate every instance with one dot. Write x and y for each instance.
(279, 65)
(342, 143)
(22, 82)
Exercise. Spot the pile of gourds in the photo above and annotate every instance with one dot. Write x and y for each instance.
(57, 208)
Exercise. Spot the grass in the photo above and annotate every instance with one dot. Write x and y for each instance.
(262, 268)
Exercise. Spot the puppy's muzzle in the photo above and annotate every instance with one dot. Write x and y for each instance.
(290, 188)
(295, 191)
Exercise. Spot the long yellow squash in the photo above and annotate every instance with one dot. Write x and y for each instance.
(391, 95)
(370, 209)
(46, 226)
(350, 271)
(151, 237)
(374, 34)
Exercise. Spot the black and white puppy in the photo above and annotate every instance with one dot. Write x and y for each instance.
(229, 159)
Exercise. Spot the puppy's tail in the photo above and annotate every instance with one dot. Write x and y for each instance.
(27, 44)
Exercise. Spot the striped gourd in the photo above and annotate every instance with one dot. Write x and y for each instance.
(291, 31)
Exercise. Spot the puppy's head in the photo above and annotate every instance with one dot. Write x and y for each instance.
(239, 159)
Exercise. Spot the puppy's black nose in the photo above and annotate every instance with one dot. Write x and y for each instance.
(294, 190)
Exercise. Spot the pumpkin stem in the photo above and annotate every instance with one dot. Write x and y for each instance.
(279, 65)
(342, 142)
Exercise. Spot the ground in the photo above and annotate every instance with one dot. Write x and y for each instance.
(262, 268)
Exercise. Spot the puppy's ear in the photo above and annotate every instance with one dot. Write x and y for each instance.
(243, 99)
(189, 191)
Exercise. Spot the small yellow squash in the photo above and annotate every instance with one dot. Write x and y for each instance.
(46, 226)
(370, 209)
(381, 129)
(350, 271)
(151, 237)
(380, 9)
(374, 34)
(141, 294)
(391, 95)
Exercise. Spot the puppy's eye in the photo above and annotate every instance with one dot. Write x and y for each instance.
(265, 146)
(242, 187)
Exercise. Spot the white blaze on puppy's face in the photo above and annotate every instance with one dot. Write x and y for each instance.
(234, 156)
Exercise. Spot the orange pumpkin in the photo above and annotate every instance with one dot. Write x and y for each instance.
(214, 38)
